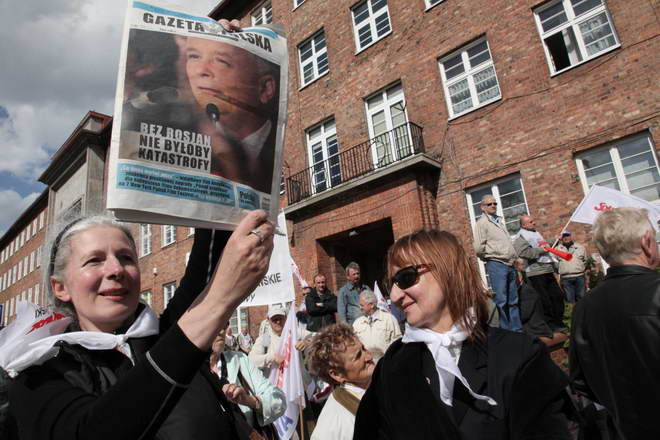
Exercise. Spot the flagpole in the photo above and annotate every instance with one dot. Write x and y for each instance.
(562, 230)
(302, 424)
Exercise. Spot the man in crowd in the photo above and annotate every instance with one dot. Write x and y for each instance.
(571, 273)
(615, 335)
(230, 340)
(321, 305)
(529, 245)
(376, 329)
(245, 341)
(348, 301)
(492, 244)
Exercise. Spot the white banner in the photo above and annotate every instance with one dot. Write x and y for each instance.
(288, 377)
(600, 199)
(382, 304)
(277, 285)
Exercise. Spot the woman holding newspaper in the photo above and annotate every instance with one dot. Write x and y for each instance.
(118, 372)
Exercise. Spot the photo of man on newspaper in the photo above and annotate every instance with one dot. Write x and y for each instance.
(201, 104)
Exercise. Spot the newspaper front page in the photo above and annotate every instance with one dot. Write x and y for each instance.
(199, 120)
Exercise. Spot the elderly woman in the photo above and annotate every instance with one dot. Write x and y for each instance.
(451, 376)
(119, 372)
(338, 357)
(244, 384)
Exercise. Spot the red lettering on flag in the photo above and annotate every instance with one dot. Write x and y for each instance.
(49, 319)
(602, 206)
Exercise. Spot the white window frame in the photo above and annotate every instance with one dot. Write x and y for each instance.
(297, 3)
(495, 192)
(37, 294)
(386, 106)
(145, 239)
(328, 131)
(42, 217)
(370, 21)
(314, 58)
(431, 3)
(191, 231)
(37, 263)
(613, 149)
(25, 265)
(261, 14)
(168, 292)
(572, 25)
(32, 258)
(147, 297)
(469, 74)
(169, 235)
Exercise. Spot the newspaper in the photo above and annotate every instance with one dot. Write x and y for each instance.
(199, 120)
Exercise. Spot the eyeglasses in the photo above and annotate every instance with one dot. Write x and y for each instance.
(490, 204)
(409, 276)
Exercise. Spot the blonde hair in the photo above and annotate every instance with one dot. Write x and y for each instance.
(617, 233)
(465, 294)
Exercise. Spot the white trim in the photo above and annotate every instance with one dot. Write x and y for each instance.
(391, 98)
(430, 6)
(168, 240)
(260, 14)
(327, 132)
(146, 236)
(370, 21)
(314, 58)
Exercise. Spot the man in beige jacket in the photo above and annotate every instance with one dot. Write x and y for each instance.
(492, 244)
(572, 272)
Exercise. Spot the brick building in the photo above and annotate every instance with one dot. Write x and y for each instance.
(404, 113)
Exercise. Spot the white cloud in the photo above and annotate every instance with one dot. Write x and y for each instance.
(12, 204)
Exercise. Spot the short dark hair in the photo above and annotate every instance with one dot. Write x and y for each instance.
(326, 351)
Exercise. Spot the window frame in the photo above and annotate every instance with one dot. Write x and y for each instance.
(371, 21)
(166, 228)
(325, 135)
(573, 21)
(386, 107)
(262, 10)
(469, 74)
(168, 288)
(314, 59)
(145, 239)
(428, 4)
(615, 157)
(147, 296)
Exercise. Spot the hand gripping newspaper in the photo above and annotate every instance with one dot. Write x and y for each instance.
(199, 120)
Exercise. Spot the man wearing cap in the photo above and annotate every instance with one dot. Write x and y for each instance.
(571, 273)
(492, 244)
(264, 350)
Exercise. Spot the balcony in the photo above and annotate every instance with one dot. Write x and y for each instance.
(382, 151)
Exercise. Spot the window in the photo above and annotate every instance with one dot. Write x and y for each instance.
(431, 3)
(574, 31)
(628, 165)
(324, 156)
(388, 129)
(191, 231)
(469, 79)
(263, 14)
(25, 265)
(371, 22)
(510, 197)
(32, 258)
(22, 238)
(34, 227)
(38, 257)
(42, 217)
(146, 297)
(313, 56)
(37, 296)
(297, 3)
(145, 239)
(19, 275)
(168, 292)
(169, 234)
(238, 320)
(29, 296)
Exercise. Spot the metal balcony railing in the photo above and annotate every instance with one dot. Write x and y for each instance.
(378, 152)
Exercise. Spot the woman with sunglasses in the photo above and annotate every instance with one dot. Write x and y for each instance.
(451, 376)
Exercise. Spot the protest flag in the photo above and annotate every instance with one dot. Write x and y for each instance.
(289, 377)
(600, 199)
(296, 271)
(382, 304)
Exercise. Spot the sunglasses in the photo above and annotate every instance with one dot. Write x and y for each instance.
(490, 204)
(409, 276)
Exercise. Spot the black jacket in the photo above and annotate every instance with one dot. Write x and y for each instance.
(615, 349)
(85, 394)
(323, 314)
(403, 400)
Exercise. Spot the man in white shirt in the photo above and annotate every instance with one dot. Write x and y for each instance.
(376, 329)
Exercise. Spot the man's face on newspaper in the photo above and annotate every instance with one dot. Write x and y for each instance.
(229, 78)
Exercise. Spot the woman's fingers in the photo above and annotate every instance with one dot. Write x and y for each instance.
(233, 25)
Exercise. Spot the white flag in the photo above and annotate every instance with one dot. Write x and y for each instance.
(288, 377)
(382, 304)
(296, 272)
(600, 199)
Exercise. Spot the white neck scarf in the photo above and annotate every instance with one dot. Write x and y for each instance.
(30, 339)
(447, 368)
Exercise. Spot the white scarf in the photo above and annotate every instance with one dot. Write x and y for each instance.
(30, 339)
(447, 368)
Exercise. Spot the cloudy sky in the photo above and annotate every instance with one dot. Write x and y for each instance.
(59, 60)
